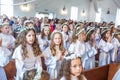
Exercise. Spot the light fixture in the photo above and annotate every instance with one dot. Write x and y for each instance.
(83, 12)
(108, 12)
(64, 11)
(25, 7)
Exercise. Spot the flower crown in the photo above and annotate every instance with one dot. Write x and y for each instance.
(89, 30)
(79, 31)
(25, 28)
(104, 30)
(55, 31)
(71, 56)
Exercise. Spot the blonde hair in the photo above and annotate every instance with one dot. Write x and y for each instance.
(52, 45)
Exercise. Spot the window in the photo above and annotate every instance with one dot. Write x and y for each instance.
(117, 21)
(98, 16)
(6, 7)
(74, 13)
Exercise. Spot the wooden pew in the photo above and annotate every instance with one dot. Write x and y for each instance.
(102, 73)
(10, 70)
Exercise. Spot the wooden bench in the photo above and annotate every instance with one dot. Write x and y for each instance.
(102, 73)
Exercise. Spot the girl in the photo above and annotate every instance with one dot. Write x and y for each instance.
(71, 27)
(7, 39)
(116, 45)
(97, 36)
(91, 50)
(54, 54)
(71, 68)
(117, 36)
(58, 27)
(44, 38)
(66, 37)
(105, 47)
(26, 52)
(4, 55)
(78, 43)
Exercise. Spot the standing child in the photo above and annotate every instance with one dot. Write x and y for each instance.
(44, 38)
(27, 51)
(78, 43)
(54, 54)
(91, 50)
(66, 36)
(7, 38)
(105, 47)
(71, 68)
(4, 55)
(117, 36)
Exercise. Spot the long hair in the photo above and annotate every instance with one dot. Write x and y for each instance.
(52, 45)
(89, 35)
(65, 70)
(43, 34)
(21, 40)
(103, 36)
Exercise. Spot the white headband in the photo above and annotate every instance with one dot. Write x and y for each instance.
(79, 31)
(26, 28)
(71, 56)
(89, 30)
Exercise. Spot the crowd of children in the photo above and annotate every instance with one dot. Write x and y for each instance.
(67, 47)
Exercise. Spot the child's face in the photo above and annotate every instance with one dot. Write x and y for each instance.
(107, 35)
(57, 39)
(46, 31)
(65, 28)
(5, 29)
(30, 37)
(76, 67)
(92, 35)
(71, 27)
(82, 36)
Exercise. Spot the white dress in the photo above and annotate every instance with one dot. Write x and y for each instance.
(66, 40)
(73, 78)
(31, 62)
(7, 40)
(4, 56)
(42, 42)
(117, 75)
(79, 48)
(90, 52)
(105, 50)
(114, 53)
(52, 62)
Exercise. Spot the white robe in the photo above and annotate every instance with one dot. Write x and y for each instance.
(79, 48)
(42, 42)
(114, 53)
(52, 63)
(4, 56)
(73, 78)
(117, 75)
(31, 62)
(90, 53)
(105, 50)
(7, 40)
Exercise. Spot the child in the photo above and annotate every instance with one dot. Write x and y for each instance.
(65, 34)
(117, 36)
(78, 43)
(105, 47)
(44, 38)
(71, 68)
(97, 36)
(7, 39)
(116, 45)
(54, 54)
(58, 27)
(91, 50)
(26, 52)
(4, 55)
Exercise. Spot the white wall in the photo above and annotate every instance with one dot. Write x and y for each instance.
(56, 6)
(105, 4)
